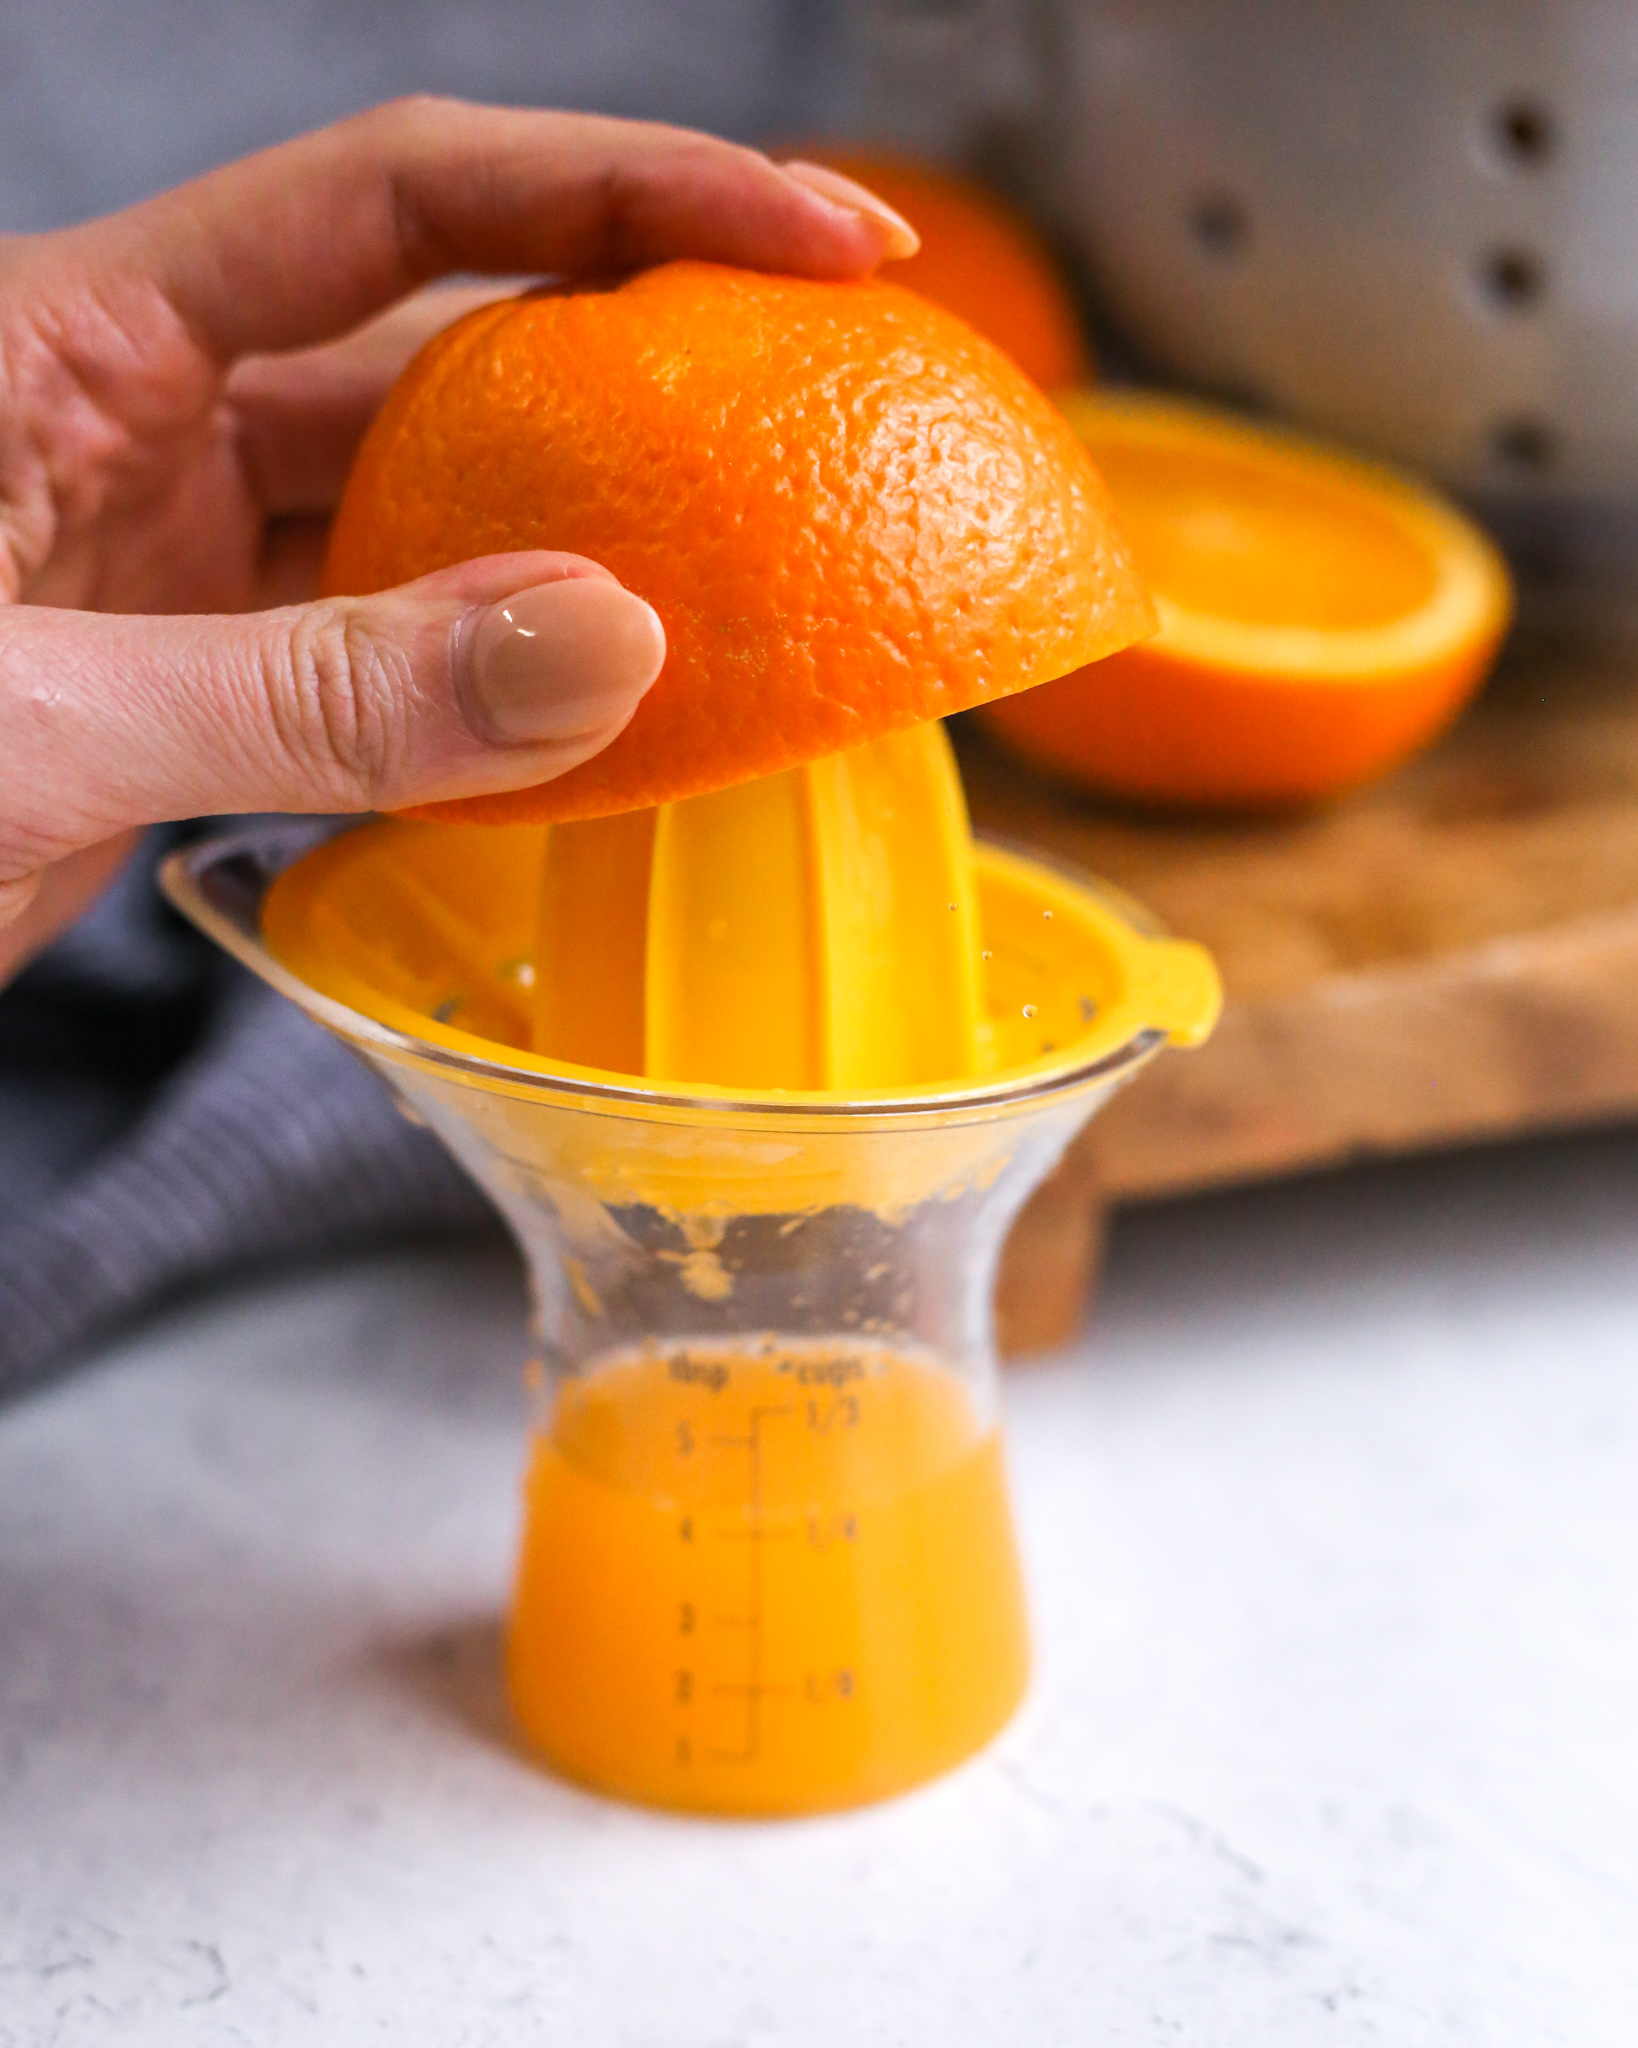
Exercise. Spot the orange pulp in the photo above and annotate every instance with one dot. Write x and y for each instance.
(766, 1583)
(1320, 617)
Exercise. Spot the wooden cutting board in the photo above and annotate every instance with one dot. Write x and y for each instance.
(1448, 957)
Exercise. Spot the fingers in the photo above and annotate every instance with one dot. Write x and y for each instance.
(35, 908)
(899, 238)
(493, 675)
(17, 898)
(301, 415)
(291, 560)
(303, 242)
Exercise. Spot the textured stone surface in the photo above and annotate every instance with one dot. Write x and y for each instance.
(1333, 1529)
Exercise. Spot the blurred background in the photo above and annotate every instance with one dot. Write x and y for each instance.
(101, 103)
(1339, 1646)
(1407, 225)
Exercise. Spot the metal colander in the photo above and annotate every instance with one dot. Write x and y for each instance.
(1411, 223)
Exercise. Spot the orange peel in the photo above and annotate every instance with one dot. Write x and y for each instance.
(852, 513)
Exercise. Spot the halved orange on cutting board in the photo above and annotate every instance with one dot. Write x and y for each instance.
(1321, 617)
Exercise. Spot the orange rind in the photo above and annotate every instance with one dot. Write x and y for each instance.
(852, 513)
(981, 258)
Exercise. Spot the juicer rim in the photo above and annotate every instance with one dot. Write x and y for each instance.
(182, 877)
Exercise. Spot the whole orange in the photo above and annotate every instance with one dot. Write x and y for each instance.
(851, 512)
(982, 259)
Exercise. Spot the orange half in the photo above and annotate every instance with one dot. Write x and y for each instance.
(1321, 617)
(852, 513)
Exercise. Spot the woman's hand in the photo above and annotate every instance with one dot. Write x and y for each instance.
(182, 387)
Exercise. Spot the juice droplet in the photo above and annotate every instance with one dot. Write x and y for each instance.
(987, 954)
(1029, 1009)
(1047, 914)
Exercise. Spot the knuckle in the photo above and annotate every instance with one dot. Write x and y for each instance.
(402, 124)
(342, 717)
(415, 112)
(402, 139)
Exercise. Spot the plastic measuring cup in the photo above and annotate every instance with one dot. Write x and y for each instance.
(768, 1564)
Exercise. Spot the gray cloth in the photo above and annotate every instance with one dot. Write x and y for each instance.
(167, 1120)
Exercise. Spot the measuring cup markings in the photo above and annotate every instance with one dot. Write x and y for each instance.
(756, 1530)
(810, 1620)
(753, 1687)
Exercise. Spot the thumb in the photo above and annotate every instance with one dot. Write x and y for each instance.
(493, 675)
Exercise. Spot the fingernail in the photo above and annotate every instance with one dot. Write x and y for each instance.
(899, 238)
(562, 659)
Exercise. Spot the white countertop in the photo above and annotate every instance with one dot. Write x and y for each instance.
(1333, 1533)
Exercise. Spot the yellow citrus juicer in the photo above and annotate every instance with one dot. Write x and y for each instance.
(759, 1080)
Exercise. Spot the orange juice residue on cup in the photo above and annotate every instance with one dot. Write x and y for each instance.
(765, 1583)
